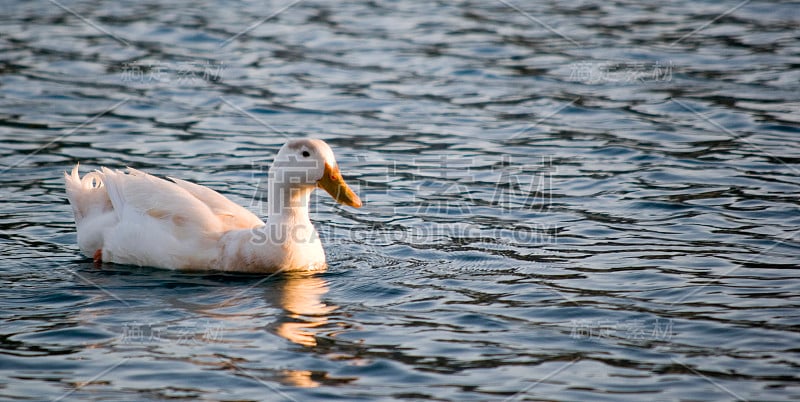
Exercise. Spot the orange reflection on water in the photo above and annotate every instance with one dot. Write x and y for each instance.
(301, 298)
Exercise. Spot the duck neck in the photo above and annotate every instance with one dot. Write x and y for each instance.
(288, 203)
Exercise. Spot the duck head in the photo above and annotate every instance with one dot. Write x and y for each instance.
(309, 163)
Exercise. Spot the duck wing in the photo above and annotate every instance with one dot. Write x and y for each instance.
(140, 195)
(232, 215)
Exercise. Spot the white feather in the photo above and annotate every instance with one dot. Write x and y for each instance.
(136, 218)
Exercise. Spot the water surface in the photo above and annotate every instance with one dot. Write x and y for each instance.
(585, 201)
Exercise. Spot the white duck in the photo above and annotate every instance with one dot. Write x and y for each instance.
(139, 219)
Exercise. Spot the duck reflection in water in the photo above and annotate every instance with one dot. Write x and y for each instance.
(301, 299)
(302, 316)
(303, 311)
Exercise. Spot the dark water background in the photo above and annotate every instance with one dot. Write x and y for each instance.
(563, 200)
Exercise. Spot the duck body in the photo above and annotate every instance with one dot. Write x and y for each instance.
(139, 219)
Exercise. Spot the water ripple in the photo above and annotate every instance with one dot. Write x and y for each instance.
(562, 201)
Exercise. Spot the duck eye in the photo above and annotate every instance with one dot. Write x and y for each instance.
(306, 154)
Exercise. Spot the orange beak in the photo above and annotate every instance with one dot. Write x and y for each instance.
(334, 184)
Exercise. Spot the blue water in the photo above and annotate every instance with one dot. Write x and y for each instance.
(583, 201)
